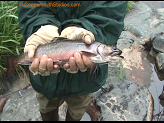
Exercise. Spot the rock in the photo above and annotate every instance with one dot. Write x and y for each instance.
(135, 30)
(154, 4)
(160, 115)
(161, 97)
(25, 108)
(135, 65)
(126, 101)
(124, 44)
(160, 62)
(161, 13)
(158, 43)
(144, 20)
(138, 19)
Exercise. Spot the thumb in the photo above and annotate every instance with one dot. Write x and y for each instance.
(88, 39)
(30, 53)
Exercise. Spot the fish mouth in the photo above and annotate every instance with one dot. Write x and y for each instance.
(117, 52)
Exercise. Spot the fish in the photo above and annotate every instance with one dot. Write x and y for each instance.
(60, 49)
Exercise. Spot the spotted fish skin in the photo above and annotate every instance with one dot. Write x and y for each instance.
(61, 49)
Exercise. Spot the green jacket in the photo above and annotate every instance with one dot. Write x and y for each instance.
(105, 19)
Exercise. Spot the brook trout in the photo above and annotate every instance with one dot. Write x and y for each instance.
(60, 49)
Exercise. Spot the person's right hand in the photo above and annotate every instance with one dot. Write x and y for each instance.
(43, 66)
(78, 61)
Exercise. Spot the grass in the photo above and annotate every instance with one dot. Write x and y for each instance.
(130, 5)
(11, 38)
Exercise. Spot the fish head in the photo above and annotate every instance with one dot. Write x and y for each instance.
(109, 53)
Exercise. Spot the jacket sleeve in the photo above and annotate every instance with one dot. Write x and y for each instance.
(105, 19)
(31, 17)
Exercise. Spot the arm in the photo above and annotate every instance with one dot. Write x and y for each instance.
(39, 25)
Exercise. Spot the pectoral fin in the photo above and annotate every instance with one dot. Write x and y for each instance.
(88, 54)
(93, 69)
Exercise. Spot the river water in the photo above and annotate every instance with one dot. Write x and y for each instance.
(156, 87)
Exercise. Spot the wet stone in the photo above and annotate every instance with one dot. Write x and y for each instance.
(160, 62)
(133, 29)
(158, 43)
(124, 43)
(103, 99)
(160, 12)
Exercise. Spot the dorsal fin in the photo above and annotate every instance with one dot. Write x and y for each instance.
(63, 38)
(59, 39)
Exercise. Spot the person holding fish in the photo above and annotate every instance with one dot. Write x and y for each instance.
(70, 80)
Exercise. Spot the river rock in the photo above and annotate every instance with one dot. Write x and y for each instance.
(125, 100)
(26, 108)
(158, 42)
(160, 62)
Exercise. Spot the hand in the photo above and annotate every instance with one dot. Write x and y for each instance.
(44, 66)
(79, 61)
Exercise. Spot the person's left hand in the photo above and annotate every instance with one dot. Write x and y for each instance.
(79, 61)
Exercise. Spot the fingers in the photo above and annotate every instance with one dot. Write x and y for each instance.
(72, 66)
(80, 62)
(87, 61)
(50, 65)
(44, 66)
(66, 66)
(34, 66)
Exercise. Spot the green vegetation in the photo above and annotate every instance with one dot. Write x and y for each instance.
(130, 4)
(120, 74)
(11, 38)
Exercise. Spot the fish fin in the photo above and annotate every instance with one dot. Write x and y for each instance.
(59, 39)
(10, 65)
(88, 54)
(57, 61)
(25, 63)
(93, 69)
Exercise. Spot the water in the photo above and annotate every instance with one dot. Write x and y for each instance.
(156, 87)
(86, 117)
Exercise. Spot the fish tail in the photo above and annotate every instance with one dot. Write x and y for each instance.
(11, 66)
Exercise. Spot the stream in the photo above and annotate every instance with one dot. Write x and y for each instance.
(156, 87)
